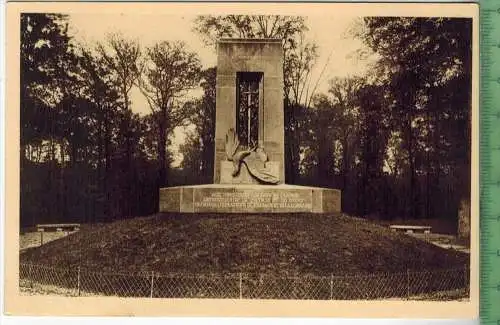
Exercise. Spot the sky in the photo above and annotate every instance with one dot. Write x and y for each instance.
(330, 33)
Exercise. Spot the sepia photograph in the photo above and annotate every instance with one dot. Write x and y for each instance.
(245, 155)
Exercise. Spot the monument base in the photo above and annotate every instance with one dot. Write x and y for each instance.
(249, 198)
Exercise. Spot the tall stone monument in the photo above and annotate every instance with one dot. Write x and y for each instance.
(250, 102)
(249, 173)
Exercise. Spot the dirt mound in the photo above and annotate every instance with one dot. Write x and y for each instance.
(293, 244)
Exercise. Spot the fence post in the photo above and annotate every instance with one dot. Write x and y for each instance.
(78, 284)
(331, 286)
(240, 286)
(408, 283)
(152, 284)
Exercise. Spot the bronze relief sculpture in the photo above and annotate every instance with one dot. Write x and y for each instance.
(254, 158)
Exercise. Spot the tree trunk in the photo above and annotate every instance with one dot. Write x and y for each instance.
(345, 162)
(207, 159)
(127, 199)
(411, 160)
(324, 161)
(108, 200)
(292, 157)
(162, 152)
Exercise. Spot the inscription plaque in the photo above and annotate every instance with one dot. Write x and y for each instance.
(251, 200)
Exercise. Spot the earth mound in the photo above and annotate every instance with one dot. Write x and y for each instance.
(293, 244)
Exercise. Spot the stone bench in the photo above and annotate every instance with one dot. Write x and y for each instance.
(58, 227)
(411, 229)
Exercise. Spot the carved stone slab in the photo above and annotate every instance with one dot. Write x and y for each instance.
(220, 198)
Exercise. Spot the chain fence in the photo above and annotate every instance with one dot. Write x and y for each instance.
(82, 282)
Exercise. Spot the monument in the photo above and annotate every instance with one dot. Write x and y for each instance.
(249, 173)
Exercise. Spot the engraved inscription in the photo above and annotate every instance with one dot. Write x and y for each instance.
(254, 200)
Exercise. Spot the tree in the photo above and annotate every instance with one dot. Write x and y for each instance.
(213, 28)
(335, 137)
(423, 61)
(123, 57)
(104, 101)
(45, 51)
(124, 61)
(201, 113)
(318, 142)
(47, 66)
(192, 161)
(373, 135)
(344, 94)
(171, 72)
(87, 157)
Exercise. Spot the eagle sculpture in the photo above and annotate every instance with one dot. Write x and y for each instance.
(239, 157)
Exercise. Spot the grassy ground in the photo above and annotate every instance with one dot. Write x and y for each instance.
(285, 245)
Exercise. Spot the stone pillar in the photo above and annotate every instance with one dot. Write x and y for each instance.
(250, 55)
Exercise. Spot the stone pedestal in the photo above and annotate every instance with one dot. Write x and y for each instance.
(248, 198)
